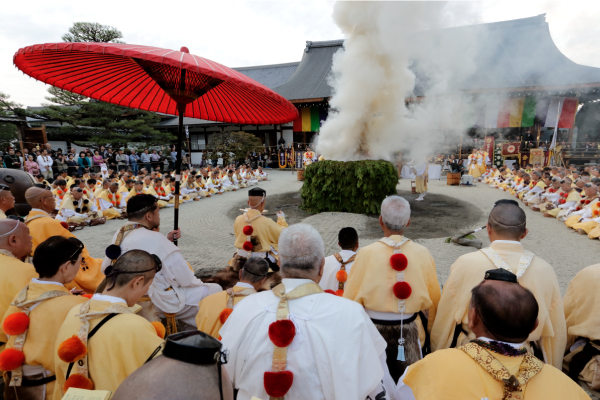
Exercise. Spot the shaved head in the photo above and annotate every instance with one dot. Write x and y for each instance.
(166, 378)
(508, 221)
(40, 198)
(132, 264)
(7, 200)
(14, 237)
(507, 310)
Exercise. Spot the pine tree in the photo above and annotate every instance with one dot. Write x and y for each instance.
(8, 132)
(92, 32)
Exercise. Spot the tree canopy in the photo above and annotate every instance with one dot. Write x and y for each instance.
(8, 132)
(92, 32)
(237, 143)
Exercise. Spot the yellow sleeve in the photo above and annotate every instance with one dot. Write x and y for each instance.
(355, 278)
(281, 221)
(555, 345)
(435, 293)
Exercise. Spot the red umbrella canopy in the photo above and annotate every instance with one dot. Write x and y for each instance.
(155, 79)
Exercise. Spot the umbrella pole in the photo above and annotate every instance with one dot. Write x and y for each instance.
(181, 110)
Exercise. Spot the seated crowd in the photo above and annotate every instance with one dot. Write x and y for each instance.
(571, 195)
(367, 322)
(93, 198)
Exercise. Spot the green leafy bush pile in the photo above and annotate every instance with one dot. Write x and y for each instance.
(354, 186)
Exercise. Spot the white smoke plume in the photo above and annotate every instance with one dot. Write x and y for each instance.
(373, 78)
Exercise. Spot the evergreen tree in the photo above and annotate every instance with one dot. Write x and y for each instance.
(8, 132)
(92, 32)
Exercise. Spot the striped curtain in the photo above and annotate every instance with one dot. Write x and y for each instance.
(309, 119)
(521, 112)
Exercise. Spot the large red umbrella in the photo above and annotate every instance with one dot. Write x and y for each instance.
(155, 79)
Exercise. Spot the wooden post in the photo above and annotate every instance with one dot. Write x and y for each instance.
(20, 133)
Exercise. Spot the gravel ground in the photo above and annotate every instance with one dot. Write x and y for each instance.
(207, 227)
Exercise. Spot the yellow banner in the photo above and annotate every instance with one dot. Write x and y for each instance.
(516, 112)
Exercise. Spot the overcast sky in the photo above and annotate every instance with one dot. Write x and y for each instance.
(245, 33)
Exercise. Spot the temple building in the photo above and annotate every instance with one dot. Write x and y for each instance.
(522, 84)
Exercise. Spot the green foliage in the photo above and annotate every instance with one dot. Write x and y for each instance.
(92, 32)
(356, 186)
(237, 143)
(8, 132)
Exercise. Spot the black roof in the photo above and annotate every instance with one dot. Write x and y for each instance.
(310, 79)
(509, 55)
(12, 119)
(270, 75)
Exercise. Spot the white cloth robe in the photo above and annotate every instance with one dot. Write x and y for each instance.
(331, 268)
(186, 289)
(337, 353)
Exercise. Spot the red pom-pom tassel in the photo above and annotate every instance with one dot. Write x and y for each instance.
(248, 230)
(282, 332)
(11, 359)
(72, 349)
(277, 384)
(65, 225)
(248, 246)
(15, 324)
(78, 381)
(330, 291)
(225, 314)
(399, 262)
(339, 292)
(402, 290)
(562, 201)
(341, 276)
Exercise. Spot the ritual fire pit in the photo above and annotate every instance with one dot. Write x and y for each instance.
(353, 186)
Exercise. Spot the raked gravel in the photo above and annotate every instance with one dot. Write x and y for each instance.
(207, 241)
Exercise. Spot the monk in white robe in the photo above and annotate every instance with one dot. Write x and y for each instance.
(175, 289)
(506, 228)
(334, 280)
(327, 348)
(497, 364)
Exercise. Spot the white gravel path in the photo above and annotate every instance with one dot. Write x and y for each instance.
(207, 241)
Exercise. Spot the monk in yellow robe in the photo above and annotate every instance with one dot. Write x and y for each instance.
(123, 343)
(42, 226)
(506, 228)
(215, 309)
(190, 190)
(15, 244)
(582, 305)
(111, 202)
(496, 365)
(255, 234)
(568, 202)
(395, 280)
(585, 209)
(158, 191)
(46, 301)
